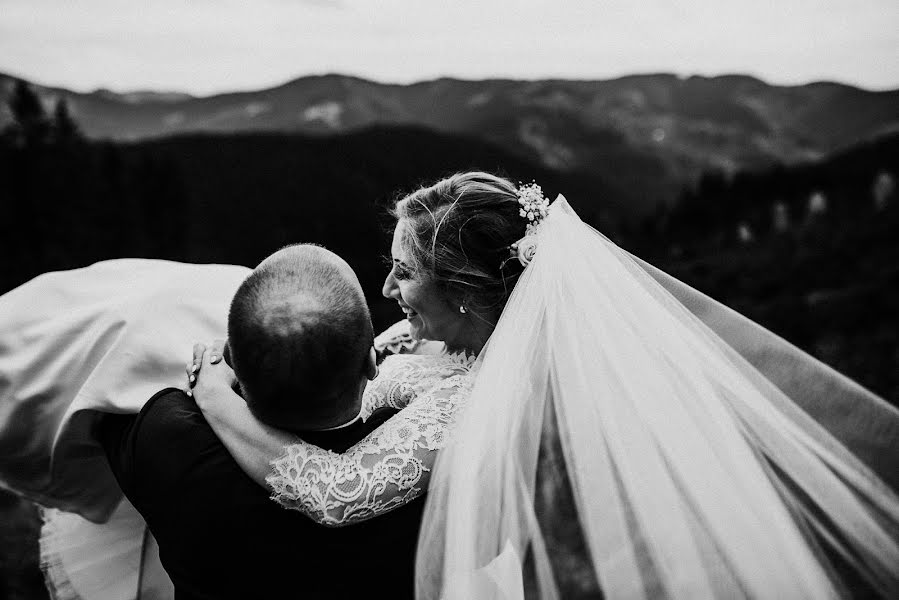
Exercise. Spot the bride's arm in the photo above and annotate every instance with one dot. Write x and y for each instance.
(251, 443)
(387, 469)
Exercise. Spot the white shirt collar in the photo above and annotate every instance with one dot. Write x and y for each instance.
(347, 424)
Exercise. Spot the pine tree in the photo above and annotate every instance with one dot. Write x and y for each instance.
(65, 128)
(30, 122)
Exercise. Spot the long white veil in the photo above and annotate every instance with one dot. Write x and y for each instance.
(629, 435)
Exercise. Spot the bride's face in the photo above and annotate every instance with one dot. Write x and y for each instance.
(430, 313)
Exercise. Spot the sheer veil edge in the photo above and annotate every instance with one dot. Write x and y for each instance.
(629, 434)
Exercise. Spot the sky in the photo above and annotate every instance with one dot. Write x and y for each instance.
(211, 46)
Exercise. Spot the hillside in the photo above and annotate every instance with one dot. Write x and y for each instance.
(649, 133)
(810, 252)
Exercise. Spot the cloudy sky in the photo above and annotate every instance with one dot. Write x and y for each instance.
(208, 46)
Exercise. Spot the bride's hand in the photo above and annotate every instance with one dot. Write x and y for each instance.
(217, 348)
(193, 367)
(210, 377)
(252, 444)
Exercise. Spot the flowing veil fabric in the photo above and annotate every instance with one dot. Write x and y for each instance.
(862, 421)
(628, 434)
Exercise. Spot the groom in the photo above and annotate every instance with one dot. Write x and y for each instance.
(300, 328)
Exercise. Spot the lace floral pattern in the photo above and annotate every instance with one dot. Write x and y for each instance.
(390, 466)
(396, 339)
(404, 377)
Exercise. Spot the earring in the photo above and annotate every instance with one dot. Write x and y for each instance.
(462, 310)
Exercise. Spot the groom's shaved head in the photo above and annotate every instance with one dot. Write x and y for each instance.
(299, 335)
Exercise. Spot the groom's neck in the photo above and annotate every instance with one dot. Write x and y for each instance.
(351, 409)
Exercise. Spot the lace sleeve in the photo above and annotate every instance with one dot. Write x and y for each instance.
(387, 469)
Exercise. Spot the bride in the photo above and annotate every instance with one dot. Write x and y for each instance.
(605, 428)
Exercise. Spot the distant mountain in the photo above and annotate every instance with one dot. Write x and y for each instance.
(651, 133)
(144, 96)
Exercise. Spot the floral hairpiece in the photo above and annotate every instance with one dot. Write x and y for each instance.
(534, 208)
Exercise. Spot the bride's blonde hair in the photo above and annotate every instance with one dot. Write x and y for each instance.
(458, 233)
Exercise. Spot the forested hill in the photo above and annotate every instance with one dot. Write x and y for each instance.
(844, 189)
(811, 252)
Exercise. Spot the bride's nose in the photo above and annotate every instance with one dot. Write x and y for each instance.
(389, 288)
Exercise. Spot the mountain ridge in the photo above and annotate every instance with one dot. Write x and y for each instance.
(335, 74)
(654, 132)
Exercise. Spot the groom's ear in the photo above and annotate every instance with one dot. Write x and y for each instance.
(371, 364)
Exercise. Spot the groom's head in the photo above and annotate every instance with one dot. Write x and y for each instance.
(300, 339)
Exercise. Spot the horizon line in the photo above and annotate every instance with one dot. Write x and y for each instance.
(283, 82)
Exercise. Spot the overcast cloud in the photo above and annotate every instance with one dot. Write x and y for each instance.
(207, 46)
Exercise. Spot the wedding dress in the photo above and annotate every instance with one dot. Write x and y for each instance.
(76, 344)
(628, 436)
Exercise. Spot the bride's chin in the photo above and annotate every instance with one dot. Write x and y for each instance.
(415, 327)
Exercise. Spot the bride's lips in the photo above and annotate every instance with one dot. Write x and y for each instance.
(409, 312)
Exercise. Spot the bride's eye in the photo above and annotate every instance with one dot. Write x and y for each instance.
(401, 271)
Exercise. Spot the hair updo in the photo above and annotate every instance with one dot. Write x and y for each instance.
(458, 233)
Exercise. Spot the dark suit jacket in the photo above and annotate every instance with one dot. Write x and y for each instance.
(219, 534)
